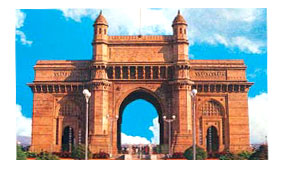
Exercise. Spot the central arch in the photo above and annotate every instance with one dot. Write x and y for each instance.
(145, 95)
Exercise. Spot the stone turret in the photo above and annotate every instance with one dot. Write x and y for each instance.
(179, 27)
(99, 43)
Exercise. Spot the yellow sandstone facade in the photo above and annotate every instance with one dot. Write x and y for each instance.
(155, 68)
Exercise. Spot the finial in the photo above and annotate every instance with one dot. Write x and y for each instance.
(179, 12)
(100, 12)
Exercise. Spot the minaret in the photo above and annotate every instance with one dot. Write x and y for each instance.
(100, 88)
(181, 85)
(180, 36)
(99, 43)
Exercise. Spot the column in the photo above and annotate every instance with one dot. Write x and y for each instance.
(113, 72)
(158, 72)
(121, 73)
(136, 73)
(151, 72)
(128, 72)
(143, 72)
(166, 72)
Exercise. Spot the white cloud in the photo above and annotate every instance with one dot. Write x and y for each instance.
(257, 72)
(126, 21)
(258, 115)
(23, 124)
(246, 14)
(77, 14)
(156, 131)
(20, 18)
(244, 44)
(23, 39)
(155, 128)
(125, 139)
(229, 27)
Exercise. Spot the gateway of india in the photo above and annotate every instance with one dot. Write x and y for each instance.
(155, 68)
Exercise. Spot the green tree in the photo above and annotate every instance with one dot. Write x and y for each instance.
(20, 154)
(46, 156)
(261, 153)
(245, 155)
(200, 153)
(79, 152)
(228, 156)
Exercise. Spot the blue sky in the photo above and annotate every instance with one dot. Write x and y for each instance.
(213, 34)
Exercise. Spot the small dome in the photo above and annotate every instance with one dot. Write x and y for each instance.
(179, 19)
(100, 20)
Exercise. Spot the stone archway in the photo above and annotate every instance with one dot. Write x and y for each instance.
(157, 62)
(145, 95)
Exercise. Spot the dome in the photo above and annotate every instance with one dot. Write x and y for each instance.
(179, 19)
(100, 20)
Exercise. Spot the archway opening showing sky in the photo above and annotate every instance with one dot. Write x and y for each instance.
(140, 123)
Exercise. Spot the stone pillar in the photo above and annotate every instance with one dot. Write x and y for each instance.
(113, 72)
(151, 72)
(143, 72)
(43, 132)
(166, 72)
(136, 72)
(60, 132)
(121, 73)
(158, 72)
(238, 122)
(182, 109)
(98, 121)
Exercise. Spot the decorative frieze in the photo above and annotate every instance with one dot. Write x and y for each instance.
(102, 85)
(221, 87)
(139, 72)
(181, 85)
(57, 88)
(208, 75)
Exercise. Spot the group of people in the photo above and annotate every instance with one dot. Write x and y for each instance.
(137, 149)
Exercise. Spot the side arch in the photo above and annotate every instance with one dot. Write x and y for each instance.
(212, 113)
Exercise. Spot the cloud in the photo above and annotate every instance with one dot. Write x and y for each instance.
(23, 124)
(234, 28)
(23, 39)
(126, 139)
(20, 18)
(77, 14)
(257, 72)
(258, 115)
(245, 44)
(156, 131)
(155, 128)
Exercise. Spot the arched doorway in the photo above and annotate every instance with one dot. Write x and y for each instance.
(68, 139)
(212, 140)
(144, 95)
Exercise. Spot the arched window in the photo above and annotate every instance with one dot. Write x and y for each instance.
(211, 108)
(104, 31)
(181, 30)
(100, 31)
